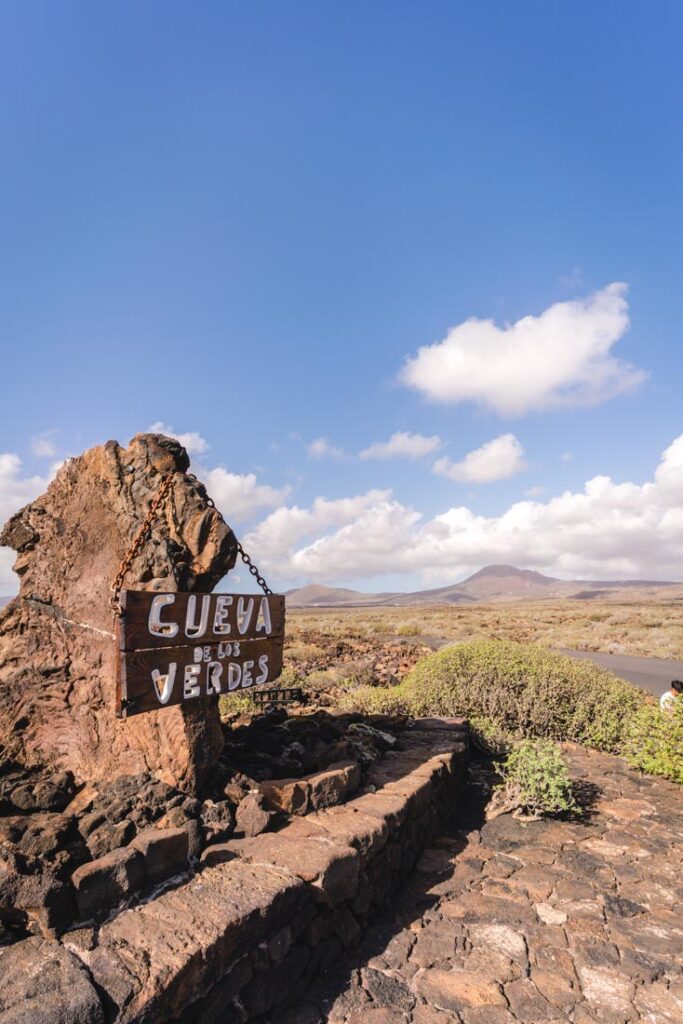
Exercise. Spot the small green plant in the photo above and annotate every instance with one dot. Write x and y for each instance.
(488, 737)
(655, 741)
(241, 702)
(535, 782)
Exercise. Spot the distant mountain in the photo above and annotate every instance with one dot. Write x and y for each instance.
(490, 584)
(315, 594)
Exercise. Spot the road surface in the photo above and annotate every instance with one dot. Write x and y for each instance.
(653, 674)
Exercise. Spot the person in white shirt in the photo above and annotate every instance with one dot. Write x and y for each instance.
(668, 699)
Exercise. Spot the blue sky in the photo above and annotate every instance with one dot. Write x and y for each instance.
(242, 220)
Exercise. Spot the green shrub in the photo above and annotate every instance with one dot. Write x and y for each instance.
(525, 690)
(487, 736)
(535, 781)
(655, 741)
(519, 689)
(376, 700)
(240, 702)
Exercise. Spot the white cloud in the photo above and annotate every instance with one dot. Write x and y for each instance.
(287, 526)
(496, 460)
(192, 441)
(43, 445)
(402, 445)
(239, 496)
(608, 530)
(566, 457)
(322, 448)
(15, 492)
(559, 359)
(536, 491)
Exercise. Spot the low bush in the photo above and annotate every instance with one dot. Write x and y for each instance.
(520, 689)
(303, 652)
(488, 737)
(535, 781)
(230, 705)
(655, 741)
(409, 629)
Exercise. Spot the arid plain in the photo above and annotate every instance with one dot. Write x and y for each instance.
(646, 624)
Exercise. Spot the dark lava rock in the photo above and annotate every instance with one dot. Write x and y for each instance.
(253, 817)
(43, 983)
(505, 833)
(110, 837)
(217, 820)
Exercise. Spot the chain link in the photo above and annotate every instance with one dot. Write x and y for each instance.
(145, 530)
(140, 538)
(253, 569)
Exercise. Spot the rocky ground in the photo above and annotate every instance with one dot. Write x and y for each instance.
(327, 664)
(58, 839)
(510, 922)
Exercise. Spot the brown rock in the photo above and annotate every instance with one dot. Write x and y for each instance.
(376, 1015)
(334, 785)
(556, 988)
(424, 1014)
(268, 989)
(366, 833)
(387, 990)
(502, 938)
(606, 991)
(43, 983)
(57, 651)
(288, 795)
(658, 1004)
(42, 903)
(104, 883)
(253, 817)
(451, 990)
(527, 1003)
(158, 959)
(331, 870)
(485, 1015)
(165, 852)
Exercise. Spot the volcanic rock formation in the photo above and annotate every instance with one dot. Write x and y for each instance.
(57, 649)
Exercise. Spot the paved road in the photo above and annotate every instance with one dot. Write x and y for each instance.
(653, 674)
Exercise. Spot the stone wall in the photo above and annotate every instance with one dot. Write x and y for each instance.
(261, 918)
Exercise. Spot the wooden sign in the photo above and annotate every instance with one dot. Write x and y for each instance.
(175, 648)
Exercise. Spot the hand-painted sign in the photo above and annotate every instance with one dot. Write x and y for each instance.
(182, 647)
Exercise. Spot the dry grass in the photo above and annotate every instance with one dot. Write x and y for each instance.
(652, 628)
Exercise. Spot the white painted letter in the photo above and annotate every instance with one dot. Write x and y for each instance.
(154, 624)
(263, 669)
(263, 621)
(193, 629)
(220, 626)
(234, 675)
(244, 615)
(214, 671)
(190, 687)
(246, 673)
(164, 684)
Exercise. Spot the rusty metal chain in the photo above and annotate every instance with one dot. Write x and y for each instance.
(253, 569)
(143, 533)
(140, 539)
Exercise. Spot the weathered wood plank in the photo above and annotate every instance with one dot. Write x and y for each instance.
(152, 679)
(151, 620)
